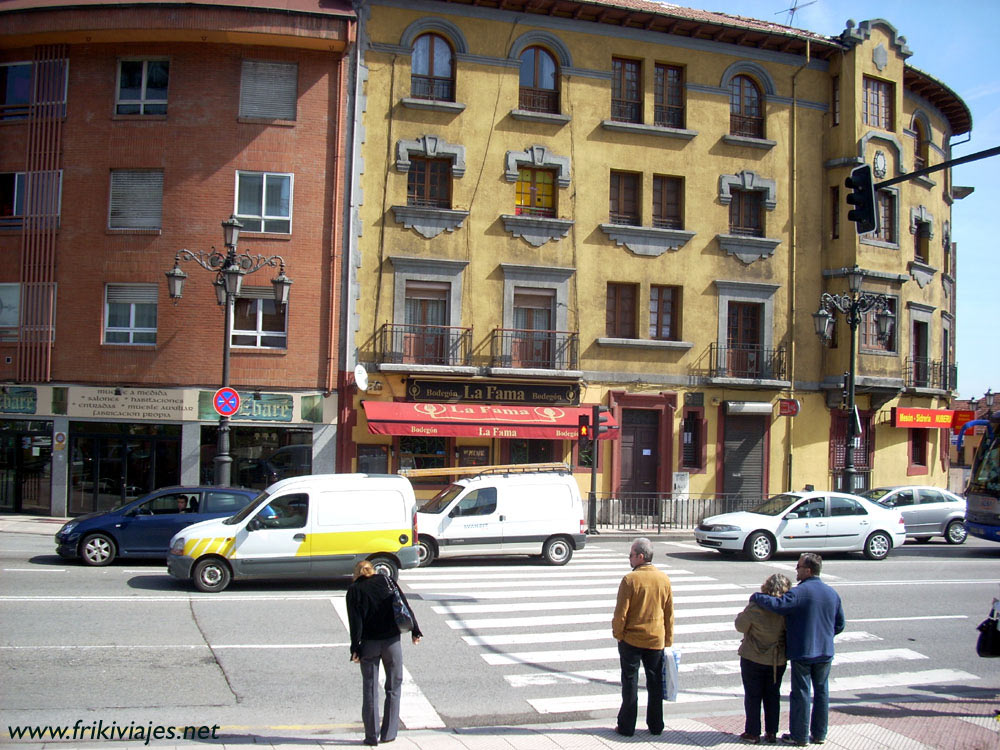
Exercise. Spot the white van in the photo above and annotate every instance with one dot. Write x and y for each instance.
(315, 526)
(501, 513)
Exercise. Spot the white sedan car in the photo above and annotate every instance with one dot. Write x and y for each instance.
(806, 522)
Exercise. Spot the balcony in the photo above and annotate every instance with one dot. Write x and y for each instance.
(440, 346)
(433, 88)
(626, 111)
(533, 349)
(538, 100)
(667, 116)
(922, 372)
(747, 362)
(746, 126)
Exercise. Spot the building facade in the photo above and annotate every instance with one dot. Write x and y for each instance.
(129, 131)
(564, 204)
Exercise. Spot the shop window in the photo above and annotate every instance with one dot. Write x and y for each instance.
(664, 312)
(531, 451)
(620, 318)
(269, 90)
(746, 111)
(667, 202)
(257, 321)
(539, 84)
(142, 87)
(264, 202)
(623, 204)
(130, 313)
(428, 183)
(432, 70)
(373, 459)
(474, 455)
(626, 90)
(746, 213)
(423, 453)
(693, 440)
(535, 192)
(918, 451)
(136, 199)
(877, 109)
(669, 96)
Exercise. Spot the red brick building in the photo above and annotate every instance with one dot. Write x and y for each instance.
(128, 132)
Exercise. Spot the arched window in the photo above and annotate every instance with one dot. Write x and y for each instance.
(746, 111)
(539, 81)
(920, 145)
(432, 70)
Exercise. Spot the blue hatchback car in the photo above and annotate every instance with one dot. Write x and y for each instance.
(143, 527)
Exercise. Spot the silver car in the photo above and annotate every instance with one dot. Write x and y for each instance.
(927, 511)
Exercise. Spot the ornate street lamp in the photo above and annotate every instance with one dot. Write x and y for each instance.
(853, 305)
(988, 398)
(229, 270)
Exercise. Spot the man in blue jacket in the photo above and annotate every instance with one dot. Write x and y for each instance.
(813, 616)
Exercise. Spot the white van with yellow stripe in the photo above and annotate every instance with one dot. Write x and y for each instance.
(315, 526)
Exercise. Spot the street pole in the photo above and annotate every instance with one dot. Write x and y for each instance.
(223, 461)
(849, 470)
(592, 499)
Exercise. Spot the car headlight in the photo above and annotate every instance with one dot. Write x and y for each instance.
(68, 527)
(177, 546)
(723, 527)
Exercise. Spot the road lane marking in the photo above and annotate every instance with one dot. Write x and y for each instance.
(532, 622)
(919, 617)
(538, 582)
(475, 595)
(34, 570)
(607, 604)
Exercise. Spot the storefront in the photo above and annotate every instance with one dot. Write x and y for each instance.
(25, 454)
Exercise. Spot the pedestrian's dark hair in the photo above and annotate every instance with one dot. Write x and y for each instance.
(812, 561)
(644, 547)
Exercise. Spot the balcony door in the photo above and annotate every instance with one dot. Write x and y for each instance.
(532, 342)
(424, 336)
(743, 345)
(920, 354)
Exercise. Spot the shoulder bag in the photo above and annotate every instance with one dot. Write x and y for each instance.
(988, 644)
(400, 612)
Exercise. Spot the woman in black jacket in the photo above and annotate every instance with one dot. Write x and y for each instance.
(374, 638)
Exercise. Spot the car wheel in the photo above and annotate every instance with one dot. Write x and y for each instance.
(426, 551)
(877, 546)
(557, 551)
(759, 547)
(97, 550)
(922, 539)
(956, 533)
(211, 575)
(386, 567)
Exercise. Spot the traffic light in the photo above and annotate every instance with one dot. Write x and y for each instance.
(862, 197)
(583, 426)
(600, 421)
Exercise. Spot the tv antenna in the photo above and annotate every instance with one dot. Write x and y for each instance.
(795, 6)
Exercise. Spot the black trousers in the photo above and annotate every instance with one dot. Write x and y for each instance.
(760, 686)
(652, 661)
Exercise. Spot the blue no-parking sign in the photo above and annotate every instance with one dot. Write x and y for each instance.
(226, 402)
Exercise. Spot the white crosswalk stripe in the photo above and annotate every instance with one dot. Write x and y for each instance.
(531, 623)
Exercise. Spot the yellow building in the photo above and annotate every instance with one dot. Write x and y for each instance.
(560, 204)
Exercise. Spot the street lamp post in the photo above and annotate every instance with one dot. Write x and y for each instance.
(853, 305)
(988, 398)
(229, 270)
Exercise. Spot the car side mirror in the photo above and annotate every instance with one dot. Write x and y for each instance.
(254, 524)
(790, 516)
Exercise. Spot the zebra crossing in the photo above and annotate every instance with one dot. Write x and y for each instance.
(537, 625)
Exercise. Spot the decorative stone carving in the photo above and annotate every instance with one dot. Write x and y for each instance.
(536, 230)
(431, 147)
(429, 222)
(747, 249)
(649, 241)
(921, 272)
(747, 180)
(920, 215)
(539, 157)
(880, 57)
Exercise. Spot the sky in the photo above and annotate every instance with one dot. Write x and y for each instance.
(955, 42)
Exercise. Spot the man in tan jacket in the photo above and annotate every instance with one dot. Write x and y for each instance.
(643, 625)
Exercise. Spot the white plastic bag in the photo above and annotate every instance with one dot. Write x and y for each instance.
(671, 665)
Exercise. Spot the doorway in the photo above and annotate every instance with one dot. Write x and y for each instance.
(743, 459)
(26, 468)
(640, 438)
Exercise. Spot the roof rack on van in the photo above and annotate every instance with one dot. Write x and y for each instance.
(485, 470)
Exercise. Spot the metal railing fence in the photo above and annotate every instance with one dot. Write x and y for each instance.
(661, 511)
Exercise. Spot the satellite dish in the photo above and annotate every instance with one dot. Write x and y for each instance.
(361, 377)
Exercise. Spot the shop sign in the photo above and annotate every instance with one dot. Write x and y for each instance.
(930, 418)
(473, 455)
(129, 403)
(961, 416)
(788, 407)
(492, 392)
(264, 407)
(17, 400)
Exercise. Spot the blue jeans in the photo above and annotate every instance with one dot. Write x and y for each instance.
(652, 661)
(809, 677)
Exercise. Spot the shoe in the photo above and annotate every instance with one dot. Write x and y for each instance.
(789, 740)
(656, 732)
(816, 741)
(750, 739)
(371, 743)
(770, 739)
(622, 732)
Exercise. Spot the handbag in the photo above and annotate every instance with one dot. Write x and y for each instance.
(671, 666)
(988, 644)
(400, 612)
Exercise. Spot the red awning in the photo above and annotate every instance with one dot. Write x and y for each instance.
(478, 420)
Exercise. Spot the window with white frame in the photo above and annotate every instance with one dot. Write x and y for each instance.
(264, 202)
(136, 199)
(142, 87)
(269, 90)
(130, 313)
(258, 321)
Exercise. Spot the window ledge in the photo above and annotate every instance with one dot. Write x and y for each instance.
(266, 121)
(921, 272)
(751, 383)
(878, 243)
(549, 118)
(650, 241)
(533, 372)
(747, 249)
(429, 222)
(641, 129)
(431, 104)
(133, 118)
(126, 230)
(645, 343)
(429, 369)
(245, 235)
(924, 180)
(270, 351)
(742, 140)
(536, 230)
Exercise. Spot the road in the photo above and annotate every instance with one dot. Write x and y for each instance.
(507, 641)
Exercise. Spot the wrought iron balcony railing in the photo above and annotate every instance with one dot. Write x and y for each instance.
(541, 350)
(668, 116)
(423, 345)
(430, 87)
(750, 127)
(922, 372)
(539, 100)
(624, 111)
(747, 361)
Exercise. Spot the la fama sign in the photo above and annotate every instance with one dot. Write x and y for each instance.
(493, 392)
